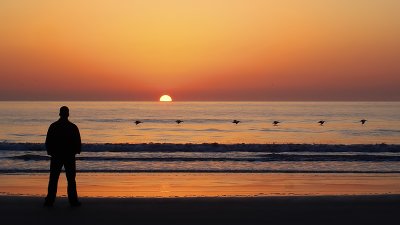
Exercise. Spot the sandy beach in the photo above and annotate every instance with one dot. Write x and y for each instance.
(205, 198)
(380, 209)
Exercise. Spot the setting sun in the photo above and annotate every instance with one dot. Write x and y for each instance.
(165, 98)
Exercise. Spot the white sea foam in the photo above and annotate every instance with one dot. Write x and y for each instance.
(262, 158)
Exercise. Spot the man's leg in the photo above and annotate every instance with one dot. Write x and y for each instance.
(70, 171)
(55, 170)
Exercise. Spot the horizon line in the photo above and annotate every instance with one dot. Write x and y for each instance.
(99, 100)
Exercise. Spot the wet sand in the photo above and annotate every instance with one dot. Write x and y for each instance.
(167, 185)
(378, 209)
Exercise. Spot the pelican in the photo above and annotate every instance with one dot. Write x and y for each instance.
(179, 121)
(235, 121)
(138, 122)
(275, 123)
(363, 121)
(321, 122)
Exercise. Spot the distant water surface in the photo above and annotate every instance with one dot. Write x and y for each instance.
(208, 122)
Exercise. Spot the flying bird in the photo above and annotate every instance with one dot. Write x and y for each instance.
(321, 122)
(363, 121)
(235, 121)
(275, 123)
(138, 122)
(179, 121)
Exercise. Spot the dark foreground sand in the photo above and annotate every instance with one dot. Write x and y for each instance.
(383, 209)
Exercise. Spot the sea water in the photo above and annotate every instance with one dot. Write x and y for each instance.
(207, 140)
(208, 122)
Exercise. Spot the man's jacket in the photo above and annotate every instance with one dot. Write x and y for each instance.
(63, 139)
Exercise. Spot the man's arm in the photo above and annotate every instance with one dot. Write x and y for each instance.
(78, 143)
(50, 140)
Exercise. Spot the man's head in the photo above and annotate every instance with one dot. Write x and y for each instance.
(64, 112)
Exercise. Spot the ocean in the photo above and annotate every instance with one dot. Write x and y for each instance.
(207, 140)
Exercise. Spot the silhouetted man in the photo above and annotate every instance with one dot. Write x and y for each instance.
(63, 141)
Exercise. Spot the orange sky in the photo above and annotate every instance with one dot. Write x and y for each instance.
(200, 50)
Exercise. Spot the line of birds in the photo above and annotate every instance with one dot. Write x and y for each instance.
(137, 122)
(275, 123)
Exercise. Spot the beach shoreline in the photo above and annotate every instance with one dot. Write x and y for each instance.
(365, 209)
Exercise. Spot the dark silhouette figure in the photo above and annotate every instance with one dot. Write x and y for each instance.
(275, 123)
(321, 122)
(179, 121)
(63, 141)
(138, 122)
(363, 121)
(235, 121)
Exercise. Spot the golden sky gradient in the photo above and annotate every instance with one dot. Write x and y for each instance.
(200, 50)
